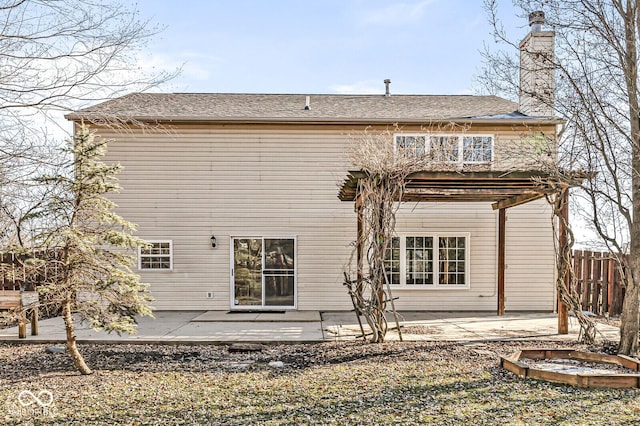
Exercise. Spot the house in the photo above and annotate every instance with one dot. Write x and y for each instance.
(247, 199)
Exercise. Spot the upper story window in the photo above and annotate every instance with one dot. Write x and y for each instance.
(477, 149)
(158, 255)
(448, 148)
(413, 144)
(445, 148)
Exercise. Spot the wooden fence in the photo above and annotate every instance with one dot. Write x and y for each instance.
(13, 277)
(599, 282)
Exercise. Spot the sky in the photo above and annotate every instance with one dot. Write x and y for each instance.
(321, 46)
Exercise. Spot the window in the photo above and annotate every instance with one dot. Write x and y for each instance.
(451, 260)
(158, 255)
(419, 260)
(445, 148)
(432, 261)
(413, 145)
(392, 261)
(463, 149)
(477, 149)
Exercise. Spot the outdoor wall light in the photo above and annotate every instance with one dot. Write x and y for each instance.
(213, 241)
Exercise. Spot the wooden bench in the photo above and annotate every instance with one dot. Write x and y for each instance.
(11, 299)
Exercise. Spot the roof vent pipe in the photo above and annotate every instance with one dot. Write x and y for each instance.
(387, 82)
(536, 20)
(307, 104)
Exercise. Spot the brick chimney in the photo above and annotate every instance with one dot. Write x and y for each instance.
(536, 69)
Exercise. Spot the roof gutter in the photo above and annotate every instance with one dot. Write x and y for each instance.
(324, 121)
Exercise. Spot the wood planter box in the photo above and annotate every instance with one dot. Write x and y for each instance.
(515, 364)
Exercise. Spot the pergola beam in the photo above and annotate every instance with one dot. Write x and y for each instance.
(448, 192)
(507, 188)
(517, 200)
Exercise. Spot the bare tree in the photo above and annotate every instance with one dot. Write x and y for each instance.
(379, 195)
(55, 51)
(56, 55)
(596, 66)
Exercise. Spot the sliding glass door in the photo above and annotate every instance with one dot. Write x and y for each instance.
(263, 273)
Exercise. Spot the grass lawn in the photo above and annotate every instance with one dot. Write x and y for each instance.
(331, 383)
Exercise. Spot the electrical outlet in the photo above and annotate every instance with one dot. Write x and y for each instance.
(209, 295)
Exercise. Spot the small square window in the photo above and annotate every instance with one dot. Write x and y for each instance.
(157, 256)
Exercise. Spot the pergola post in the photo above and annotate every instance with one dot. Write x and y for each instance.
(359, 259)
(502, 219)
(563, 311)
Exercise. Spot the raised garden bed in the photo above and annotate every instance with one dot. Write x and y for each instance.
(576, 368)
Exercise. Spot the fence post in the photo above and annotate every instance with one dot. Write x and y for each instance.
(605, 284)
(586, 279)
(597, 283)
(577, 270)
(612, 284)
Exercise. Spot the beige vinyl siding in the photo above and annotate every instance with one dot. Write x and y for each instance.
(230, 183)
(530, 258)
(477, 219)
(514, 149)
(282, 181)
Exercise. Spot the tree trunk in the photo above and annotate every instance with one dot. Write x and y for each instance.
(75, 354)
(630, 319)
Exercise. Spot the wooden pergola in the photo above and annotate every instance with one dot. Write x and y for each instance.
(502, 189)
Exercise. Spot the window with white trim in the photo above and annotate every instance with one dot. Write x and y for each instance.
(477, 149)
(428, 261)
(447, 148)
(392, 261)
(414, 145)
(158, 255)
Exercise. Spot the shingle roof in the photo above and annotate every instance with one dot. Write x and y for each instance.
(221, 107)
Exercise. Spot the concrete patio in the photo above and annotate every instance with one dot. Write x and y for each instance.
(214, 327)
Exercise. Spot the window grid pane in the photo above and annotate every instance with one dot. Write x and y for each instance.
(279, 254)
(448, 148)
(419, 258)
(477, 149)
(392, 261)
(156, 256)
(445, 148)
(413, 146)
(451, 261)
